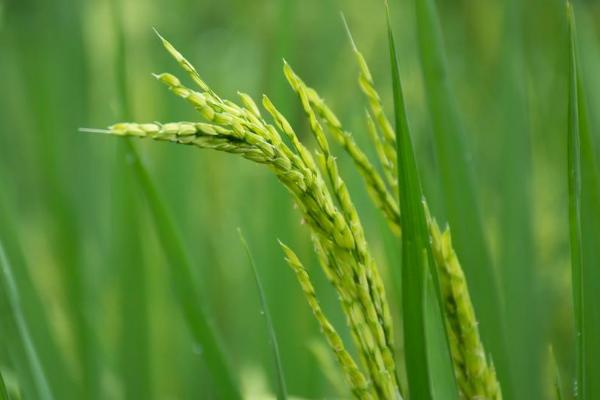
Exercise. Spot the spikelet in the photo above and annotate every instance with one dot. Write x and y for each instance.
(476, 377)
(389, 169)
(367, 86)
(358, 383)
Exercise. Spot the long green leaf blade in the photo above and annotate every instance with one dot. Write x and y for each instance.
(458, 188)
(428, 365)
(281, 387)
(22, 336)
(134, 338)
(516, 253)
(59, 378)
(584, 223)
(574, 177)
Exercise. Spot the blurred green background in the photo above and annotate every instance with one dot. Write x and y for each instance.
(92, 276)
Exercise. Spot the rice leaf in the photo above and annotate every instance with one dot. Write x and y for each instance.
(459, 194)
(3, 390)
(584, 219)
(428, 364)
(281, 387)
(22, 338)
(516, 253)
(134, 336)
(60, 379)
(180, 268)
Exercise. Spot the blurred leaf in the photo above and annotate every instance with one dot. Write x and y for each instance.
(516, 255)
(428, 365)
(20, 337)
(55, 98)
(584, 222)
(134, 346)
(34, 311)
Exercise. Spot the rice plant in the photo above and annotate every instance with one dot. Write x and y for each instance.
(418, 309)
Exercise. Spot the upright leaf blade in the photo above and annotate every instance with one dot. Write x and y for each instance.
(59, 378)
(458, 188)
(516, 251)
(584, 223)
(134, 346)
(22, 337)
(428, 365)
(516, 248)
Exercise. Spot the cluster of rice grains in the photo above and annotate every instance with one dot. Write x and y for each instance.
(336, 229)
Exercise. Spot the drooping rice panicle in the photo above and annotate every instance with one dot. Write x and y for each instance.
(338, 234)
(241, 130)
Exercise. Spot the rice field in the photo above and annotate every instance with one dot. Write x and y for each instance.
(401, 203)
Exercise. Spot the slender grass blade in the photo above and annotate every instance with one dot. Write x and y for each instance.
(584, 223)
(516, 254)
(52, 148)
(429, 369)
(281, 387)
(517, 258)
(59, 377)
(16, 318)
(134, 338)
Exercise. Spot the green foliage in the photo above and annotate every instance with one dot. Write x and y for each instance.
(16, 334)
(122, 280)
(584, 214)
